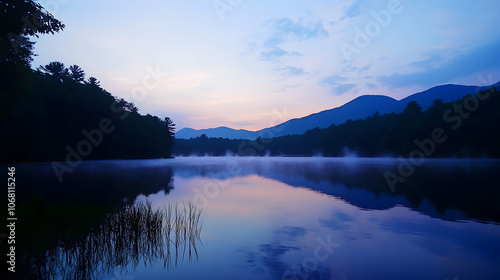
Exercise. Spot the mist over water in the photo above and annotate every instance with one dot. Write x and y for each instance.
(263, 216)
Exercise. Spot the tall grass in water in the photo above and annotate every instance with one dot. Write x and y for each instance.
(137, 234)
(183, 230)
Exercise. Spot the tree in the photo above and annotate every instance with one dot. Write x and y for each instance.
(412, 109)
(92, 81)
(127, 106)
(19, 20)
(76, 73)
(55, 69)
(438, 102)
(170, 126)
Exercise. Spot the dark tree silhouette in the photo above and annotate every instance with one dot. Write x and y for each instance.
(438, 103)
(413, 109)
(92, 81)
(19, 20)
(55, 69)
(66, 112)
(44, 113)
(170, 126)
(76, 73)
(127, 106)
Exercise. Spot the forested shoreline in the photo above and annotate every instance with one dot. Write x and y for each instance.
(60, 115)
(465, 128)
(53, 113)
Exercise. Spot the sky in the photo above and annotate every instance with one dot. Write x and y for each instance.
(253, 64)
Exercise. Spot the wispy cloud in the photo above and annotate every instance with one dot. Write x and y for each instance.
(272, 53)
(285, 29)
(276, 52)
(292, 71)
(479, 59)
(354, 9)
(334, 82)
(285, 88)
(343, 88)
(431, 62)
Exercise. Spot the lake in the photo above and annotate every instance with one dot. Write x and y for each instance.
(260, 218)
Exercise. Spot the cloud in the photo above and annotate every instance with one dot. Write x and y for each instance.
(432, 61)
(272, 53)
(285, 29)
(354, 9)
(276, 52)
(366, 68)
(285, 88)
(481, 58)
(292, 71)
(332, 80)
(341, 89)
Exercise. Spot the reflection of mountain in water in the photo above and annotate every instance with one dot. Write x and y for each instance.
(88, 222)
(434, 189)
(438, 188)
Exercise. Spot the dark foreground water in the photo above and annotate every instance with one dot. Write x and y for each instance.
(262, 218)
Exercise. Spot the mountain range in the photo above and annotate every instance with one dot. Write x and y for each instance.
(358, 108)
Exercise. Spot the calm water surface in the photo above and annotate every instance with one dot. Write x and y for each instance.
(267, 218)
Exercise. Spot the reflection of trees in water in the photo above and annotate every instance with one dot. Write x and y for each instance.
(467, 186)
(135, 235)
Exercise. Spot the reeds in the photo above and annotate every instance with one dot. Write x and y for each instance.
(135, 234)
(182, 229)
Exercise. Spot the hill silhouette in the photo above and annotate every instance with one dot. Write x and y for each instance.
(465, 128)
(358, 108)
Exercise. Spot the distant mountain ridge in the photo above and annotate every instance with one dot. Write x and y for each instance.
(358, 108)
(223, 131)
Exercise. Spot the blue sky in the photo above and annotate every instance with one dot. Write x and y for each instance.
(246, 64)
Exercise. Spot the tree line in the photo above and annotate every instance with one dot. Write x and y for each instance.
(467, 128)
(47, 112)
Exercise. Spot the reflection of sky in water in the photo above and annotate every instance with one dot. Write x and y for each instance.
(260, 228)
(276, 218)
